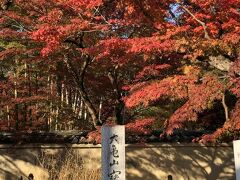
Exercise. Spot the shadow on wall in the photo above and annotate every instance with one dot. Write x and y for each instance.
(179, 162)
(17, 163)
(54, 162)
(143, 162)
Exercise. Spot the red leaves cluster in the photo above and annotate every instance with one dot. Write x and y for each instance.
(53, 35)
(176, 87)
(137, 127)
(152, 70)
(235, 116)
(229, 129)
(235, 80)
(140, 126)
(54, 16)
(95, 136)
(199, 96)
(81, 5)
(50, 35)
(150, 44)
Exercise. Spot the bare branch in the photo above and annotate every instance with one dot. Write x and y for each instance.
(199, 21)
(225, 107)
(19, 25)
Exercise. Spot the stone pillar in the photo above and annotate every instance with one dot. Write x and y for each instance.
(236, 148)
(113, 152)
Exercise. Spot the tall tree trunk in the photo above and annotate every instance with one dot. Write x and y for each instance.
(91, 109)
(36, 87)
(80, 108)
(29, 95)
(62, 93)
(119, 104)
(100, 109)
(25, 104)
(8, 117)
(15, 96)
(79, 80)
(85, 114)
(66, 96)
(51, 103)
(74, 103)
(56, 120)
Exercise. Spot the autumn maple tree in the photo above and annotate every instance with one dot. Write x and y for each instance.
(126, 54)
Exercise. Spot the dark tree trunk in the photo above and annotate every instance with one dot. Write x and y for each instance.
(79, 77)
(119, 105)
(16, 117)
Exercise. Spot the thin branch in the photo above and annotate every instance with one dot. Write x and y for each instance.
(105, 20)
(174, 17)
(225, 107)
(86, 63)
(199, 21)
(19, 25)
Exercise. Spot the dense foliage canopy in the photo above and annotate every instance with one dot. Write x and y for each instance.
(65, 62)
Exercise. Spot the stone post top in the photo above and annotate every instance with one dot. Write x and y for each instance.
(109, 125)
